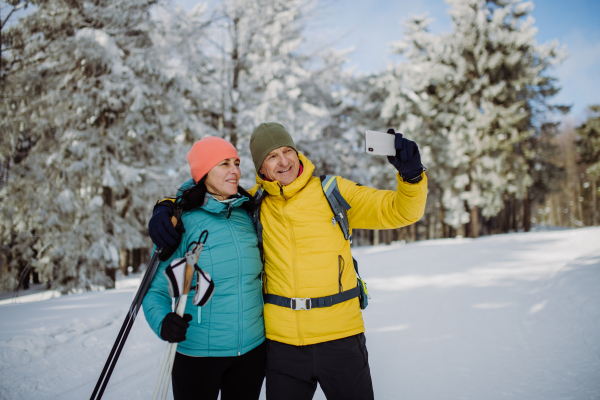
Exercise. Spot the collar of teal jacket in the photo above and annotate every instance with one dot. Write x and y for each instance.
(215, 206)
(211, 204)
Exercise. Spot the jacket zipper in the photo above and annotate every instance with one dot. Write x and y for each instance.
(341, 264)
(293, 263)
(240, 302)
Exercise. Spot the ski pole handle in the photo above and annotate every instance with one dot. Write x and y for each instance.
(187, 282)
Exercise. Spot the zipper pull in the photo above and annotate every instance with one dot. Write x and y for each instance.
(281, 191)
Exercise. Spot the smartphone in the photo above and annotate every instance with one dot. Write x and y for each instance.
(380, 143)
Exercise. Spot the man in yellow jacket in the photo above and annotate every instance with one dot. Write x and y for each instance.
(307, 257)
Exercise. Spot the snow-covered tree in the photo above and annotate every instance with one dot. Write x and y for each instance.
(90, 116)
(472, 97)
(588, 147)
(258, 71)
(588, 143)
(101, 98)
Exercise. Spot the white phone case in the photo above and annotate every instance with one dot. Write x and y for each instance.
(380, 143)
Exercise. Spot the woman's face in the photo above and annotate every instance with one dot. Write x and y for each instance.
(223, 179)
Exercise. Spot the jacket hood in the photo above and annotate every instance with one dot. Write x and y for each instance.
(274, 188)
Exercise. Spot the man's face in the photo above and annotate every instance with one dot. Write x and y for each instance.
(281, 164)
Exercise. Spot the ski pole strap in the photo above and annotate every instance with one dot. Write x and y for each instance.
(298, 303)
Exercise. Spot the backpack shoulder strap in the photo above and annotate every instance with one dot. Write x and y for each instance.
(338, 204)
(258, 197)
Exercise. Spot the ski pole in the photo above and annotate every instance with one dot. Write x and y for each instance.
(167, 364)
(115, 352)
(126, 328)
(191, 257)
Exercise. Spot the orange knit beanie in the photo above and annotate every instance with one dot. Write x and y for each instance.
(208, 152)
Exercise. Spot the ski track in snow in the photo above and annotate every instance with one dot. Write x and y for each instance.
(504, 317)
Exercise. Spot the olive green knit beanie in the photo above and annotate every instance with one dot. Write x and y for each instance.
(267, 137)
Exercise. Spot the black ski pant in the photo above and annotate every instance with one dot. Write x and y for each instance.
(340, 366)
(201, 378)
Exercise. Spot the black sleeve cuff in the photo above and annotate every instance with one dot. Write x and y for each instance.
(413, 178)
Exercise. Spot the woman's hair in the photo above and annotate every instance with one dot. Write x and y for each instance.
(194, 197)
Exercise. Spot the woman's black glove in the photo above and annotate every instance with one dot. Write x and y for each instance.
(160, 228)
(408, 159)
(174, 327)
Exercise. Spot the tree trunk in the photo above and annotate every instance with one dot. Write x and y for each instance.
(35, 277)
(112, 274)
(431, 228)
(145, 258)
(499, 221)
(24, 274)
(474, 224)
(579, 204)
(375, 237)
(389, 236)
(445, 227)
(107, 196)
(237, 67)
(137, 260)
(527, 212)
(413, 232)
(515, 214)
(128, 203)
(594, 201)
(3, 263)
(4, 168)
(357, 237)
(552, 213)
(124, 261)
(507, 214)
(466, 230)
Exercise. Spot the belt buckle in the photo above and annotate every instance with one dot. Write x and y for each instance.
(299, 303)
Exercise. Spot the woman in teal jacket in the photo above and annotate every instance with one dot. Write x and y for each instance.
(221, 345)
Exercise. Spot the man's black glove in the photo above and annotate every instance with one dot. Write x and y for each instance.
(174, 327)
(408, 159)
(162, 232)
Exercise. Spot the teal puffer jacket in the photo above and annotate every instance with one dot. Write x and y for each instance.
(231, 323)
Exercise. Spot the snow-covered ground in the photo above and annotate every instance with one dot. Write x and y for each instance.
(504, 317)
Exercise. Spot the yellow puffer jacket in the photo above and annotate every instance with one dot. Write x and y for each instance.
(302, 247)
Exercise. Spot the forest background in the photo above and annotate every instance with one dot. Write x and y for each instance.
(102, 99)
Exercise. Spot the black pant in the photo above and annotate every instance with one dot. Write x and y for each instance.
(340, 366)
(239, 377)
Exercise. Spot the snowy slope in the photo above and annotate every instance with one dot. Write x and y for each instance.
(505, 317)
